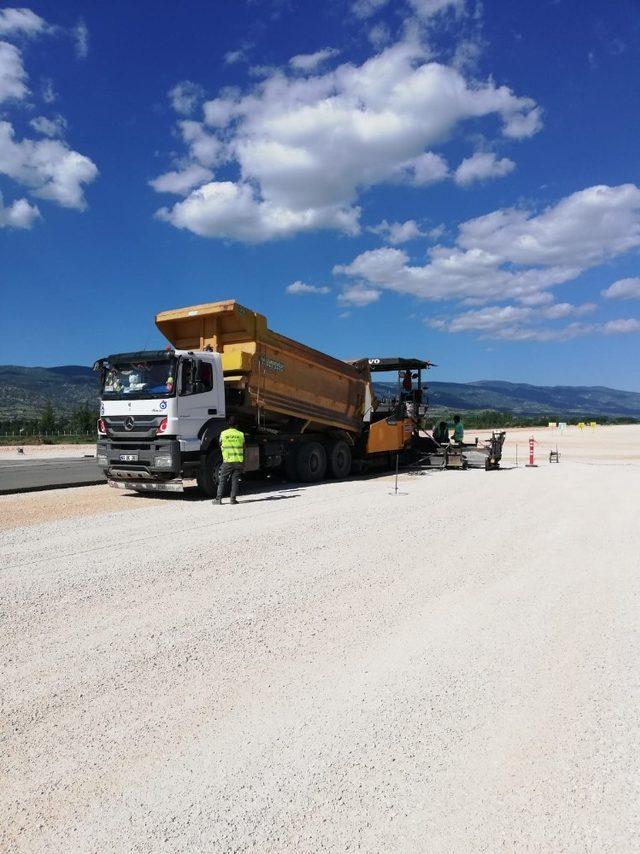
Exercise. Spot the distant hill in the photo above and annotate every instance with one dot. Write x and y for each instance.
(25, 391)
(524, 399)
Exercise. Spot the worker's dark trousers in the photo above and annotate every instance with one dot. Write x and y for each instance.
(233, 471)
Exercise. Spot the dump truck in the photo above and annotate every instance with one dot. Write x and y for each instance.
(305, 414)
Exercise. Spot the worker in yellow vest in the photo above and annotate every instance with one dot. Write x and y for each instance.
(232, 447)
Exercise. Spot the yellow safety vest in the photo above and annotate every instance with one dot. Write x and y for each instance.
(232, 444)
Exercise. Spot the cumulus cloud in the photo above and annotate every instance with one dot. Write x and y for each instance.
(426, 168)
(398, 232)
(480, 167)
(20, 214)
(204, 148)
(305, 145)
(180, 182)
(309, 61)
(232, 57)
(48, 167)
(13, 77)
(358, 295)
(428, 8)
(519, 323)
(299, 288)
(623, 289)
(513, 253)
(229, 210)
(185, 97)
(81, 38)
(53, 127)
(622, 326)
(21, 22)
(379, 35)
(366, 8)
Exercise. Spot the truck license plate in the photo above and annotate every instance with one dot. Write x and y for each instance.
(128, 458)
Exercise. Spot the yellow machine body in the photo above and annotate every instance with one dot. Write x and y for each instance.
(389, 435)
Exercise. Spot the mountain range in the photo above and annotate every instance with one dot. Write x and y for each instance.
(24, 393)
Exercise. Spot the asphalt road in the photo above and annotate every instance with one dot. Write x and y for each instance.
(32, 475)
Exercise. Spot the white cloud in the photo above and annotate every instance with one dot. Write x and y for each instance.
(397, 232)
(366, 8)
(183, 181)
(185, 97)
(49, 94)
(522, 125)
(228, 210)
(582, 229)
(81, 37)
(512, 321)
(427, 168)
(309, 61)
(379, 35)
(49, 127)
(428, 8)
(623, 289)
(513, 254)
(20, 214)
(482, 166)
(306, 145)
(13, 77)
(232, 57)
(48, 167)
(21, 21)
(205, 148)
(622, 326)
(358, 295)
(298, 288)
(520, 323)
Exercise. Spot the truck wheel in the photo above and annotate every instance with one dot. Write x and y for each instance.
(207, 476)
(339, 459)
(312, 462)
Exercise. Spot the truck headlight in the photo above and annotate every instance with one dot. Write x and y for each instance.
(163, 461)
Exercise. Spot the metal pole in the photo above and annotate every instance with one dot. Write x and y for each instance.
(516, 456)
(397, 459)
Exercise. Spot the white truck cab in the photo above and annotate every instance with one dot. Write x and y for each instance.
(158, 409)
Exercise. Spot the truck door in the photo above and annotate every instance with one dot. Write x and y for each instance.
(200, 396)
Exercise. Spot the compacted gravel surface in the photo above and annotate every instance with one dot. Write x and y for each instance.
(326, 668)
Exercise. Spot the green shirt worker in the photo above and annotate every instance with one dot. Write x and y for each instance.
(458, 429)
(232, 447)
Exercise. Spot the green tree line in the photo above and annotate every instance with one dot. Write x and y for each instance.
(81, 420)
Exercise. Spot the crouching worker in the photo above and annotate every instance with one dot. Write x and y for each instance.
(441, 433)
(232, 446)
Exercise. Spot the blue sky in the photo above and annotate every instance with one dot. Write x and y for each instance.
(436, 178)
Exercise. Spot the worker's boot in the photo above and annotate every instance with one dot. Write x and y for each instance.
(233, 501)
(217, 501)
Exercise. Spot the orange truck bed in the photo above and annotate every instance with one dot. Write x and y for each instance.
(280, 375)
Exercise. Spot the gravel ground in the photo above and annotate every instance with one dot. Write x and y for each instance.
(328, 668)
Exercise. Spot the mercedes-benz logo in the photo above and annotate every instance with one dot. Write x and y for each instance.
(129, 422)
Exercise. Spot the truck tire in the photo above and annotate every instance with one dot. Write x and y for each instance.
(311, 462)
(207, 476)
(339, 459)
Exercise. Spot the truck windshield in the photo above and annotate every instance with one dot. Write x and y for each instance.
(140, 380)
